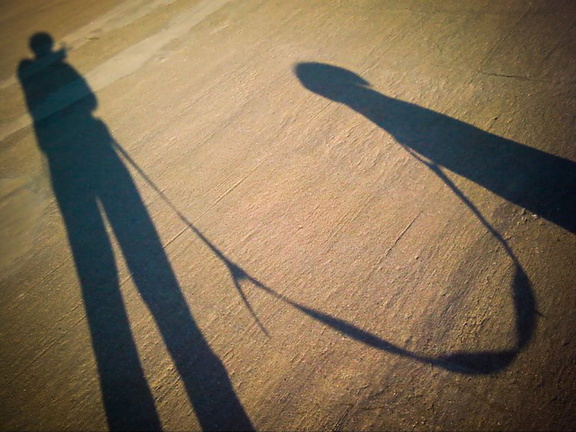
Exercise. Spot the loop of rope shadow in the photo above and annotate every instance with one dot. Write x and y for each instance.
(462, 362)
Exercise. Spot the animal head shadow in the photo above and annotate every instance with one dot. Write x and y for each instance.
(530, 178)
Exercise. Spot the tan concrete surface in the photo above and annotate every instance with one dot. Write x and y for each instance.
(321, 254)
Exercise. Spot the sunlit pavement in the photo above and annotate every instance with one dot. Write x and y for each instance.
(303, 215)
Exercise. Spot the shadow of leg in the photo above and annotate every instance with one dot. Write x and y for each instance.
(206, 381)
(126, 396)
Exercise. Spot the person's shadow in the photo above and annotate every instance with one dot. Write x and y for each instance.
(92, 186)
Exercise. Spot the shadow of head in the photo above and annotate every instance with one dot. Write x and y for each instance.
(41, 44)
(51, 84)
(332, 82)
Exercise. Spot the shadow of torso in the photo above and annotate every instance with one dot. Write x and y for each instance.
(78, 145)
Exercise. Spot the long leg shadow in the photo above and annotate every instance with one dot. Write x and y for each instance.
(92, 186)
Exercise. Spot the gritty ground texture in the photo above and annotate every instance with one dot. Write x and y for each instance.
(374, 271)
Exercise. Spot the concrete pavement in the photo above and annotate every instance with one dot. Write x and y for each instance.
(302, 215)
